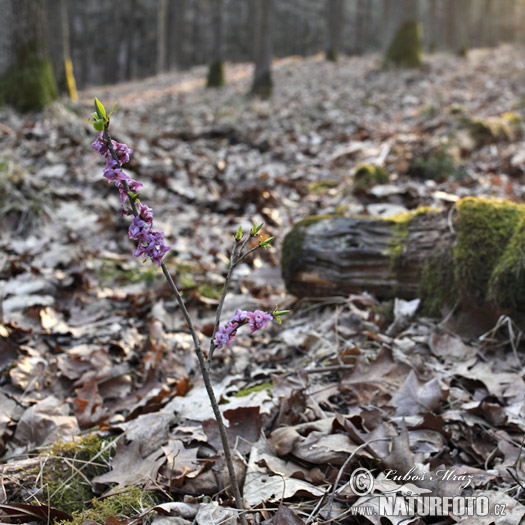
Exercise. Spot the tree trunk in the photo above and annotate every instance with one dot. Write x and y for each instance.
(29, 82)
(216, 69)
(66, 48)
(162, 22)
(335, 11)
(340, 256)
(262, 76)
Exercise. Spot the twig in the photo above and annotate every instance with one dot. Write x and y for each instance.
(342, 469)
(202, 363)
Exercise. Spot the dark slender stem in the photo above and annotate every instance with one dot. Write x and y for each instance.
(197, 346)
(221, 301)
(236, 257)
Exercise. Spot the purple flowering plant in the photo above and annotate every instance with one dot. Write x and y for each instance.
(151, 245)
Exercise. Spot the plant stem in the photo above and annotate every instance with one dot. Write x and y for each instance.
(236, 257)
(197, 346)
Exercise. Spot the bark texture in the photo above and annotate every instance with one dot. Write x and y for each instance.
(216, 69)
(262, 76)
(29, 82)
(335, 28)
(339, 256)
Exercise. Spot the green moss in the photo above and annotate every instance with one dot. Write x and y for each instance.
(257, 388)
(368, 175)
(485, 227)
(462, 51)
(332, 55)
(406, 49)
(216, 75)
(114, 271)
(30, 83)
(437, 283)
(292, 246)
(263, 86)
(401, 229)
(437, 165)
(507, 282)
(322, 186)
(131, 502)
(491, 130)
(69, 468)
(210, 291)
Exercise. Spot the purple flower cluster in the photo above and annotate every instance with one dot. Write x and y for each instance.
(256, 320)
(113, 170)
(151, 243)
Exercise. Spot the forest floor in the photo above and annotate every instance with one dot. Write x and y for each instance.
(92, 343)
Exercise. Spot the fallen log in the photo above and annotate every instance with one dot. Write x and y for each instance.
(480, 257)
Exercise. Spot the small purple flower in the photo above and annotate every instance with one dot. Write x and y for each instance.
(150, 243)
(258, 320)
(225, 334)
(100, 145)
(145, 213)
(122, 151)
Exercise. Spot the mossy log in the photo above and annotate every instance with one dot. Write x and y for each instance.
(479, 260)
(326, 256)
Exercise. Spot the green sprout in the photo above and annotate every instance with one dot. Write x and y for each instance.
(278, 313)
(238, 234)
(100, 118)
(256, 229)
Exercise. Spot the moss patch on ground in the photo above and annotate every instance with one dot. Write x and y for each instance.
(490, 130)
(436, 165)
(68, 471)
(406, 49)
(367, 176)
(129, 503)
(322, 186)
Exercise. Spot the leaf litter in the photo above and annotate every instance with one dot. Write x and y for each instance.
(92, 341)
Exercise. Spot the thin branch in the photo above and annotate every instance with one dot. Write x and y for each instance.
(222, 298)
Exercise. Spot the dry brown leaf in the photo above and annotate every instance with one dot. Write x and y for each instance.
(45, 422)
(129, 467)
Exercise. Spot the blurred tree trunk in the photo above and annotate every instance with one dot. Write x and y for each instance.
(29, 81)
(335, 12)
(69, 76)
(216, 70)
(433, 25)
(262, 76)
(177, 35)
(411, 10)
(162, 23)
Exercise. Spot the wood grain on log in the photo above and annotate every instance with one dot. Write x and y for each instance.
(330, 256)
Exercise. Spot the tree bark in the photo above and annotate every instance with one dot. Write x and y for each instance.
(28, 83)
(216, 69)
(162, 23)
(262, 76)
(69, 75)
(341, 256)
(335, 12)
